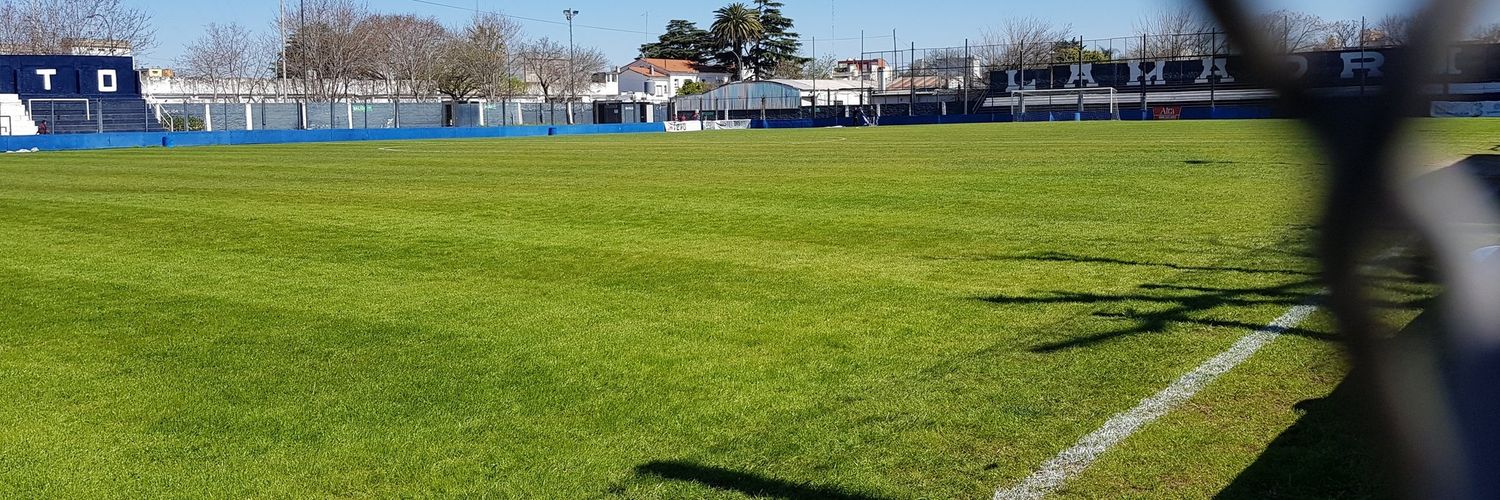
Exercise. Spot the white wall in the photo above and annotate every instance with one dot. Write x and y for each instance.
(631, 81)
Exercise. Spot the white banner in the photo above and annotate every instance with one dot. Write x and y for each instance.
(684, 126)
(1451, 109)
(727, 125)
(1489, 109)
(708, 125)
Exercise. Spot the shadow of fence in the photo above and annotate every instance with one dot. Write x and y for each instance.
(746, 483)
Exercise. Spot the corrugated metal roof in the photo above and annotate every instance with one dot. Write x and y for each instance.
(809, 85)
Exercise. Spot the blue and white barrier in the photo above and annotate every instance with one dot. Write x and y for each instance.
(68, 142)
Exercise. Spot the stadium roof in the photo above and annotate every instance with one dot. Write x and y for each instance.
(809, 85)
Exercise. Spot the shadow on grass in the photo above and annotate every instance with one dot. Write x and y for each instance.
(1183, 304)
(1329, 452)
(1326, 454)
(1083, 259)
(1181, 307)
(753, 485)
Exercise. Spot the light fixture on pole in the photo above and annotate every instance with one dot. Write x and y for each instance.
(572, 73)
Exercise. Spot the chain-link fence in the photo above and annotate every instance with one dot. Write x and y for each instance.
(1149, 71)
(75, 116)
(357, 114)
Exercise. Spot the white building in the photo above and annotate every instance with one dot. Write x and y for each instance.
(97, 47)
(662, 78)
(871, 73)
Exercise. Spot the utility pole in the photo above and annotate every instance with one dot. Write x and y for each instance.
(1362, 74)
(572, 73)
(281, 28)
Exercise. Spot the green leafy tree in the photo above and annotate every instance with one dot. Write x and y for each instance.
(694, 88)
(777, 46)
(682, 40)
(737, 28)
(1069, 51)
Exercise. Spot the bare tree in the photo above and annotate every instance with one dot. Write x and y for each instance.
(223, 56)
(1291, 31)
(1021, 42)
(1392, 30)
(11, 28)
(545, 65)
(1488, 34)
(406, 52)
(453, 74)
(329, 46)
(56, 26)
(1340, 34)
(1176, 34)
(587, 62)
(493, 41)
(548, 65)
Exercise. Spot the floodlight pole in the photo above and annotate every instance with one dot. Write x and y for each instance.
(572, 73)
(281, 28)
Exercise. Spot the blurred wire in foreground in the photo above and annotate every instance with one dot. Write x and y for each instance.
(1435, 398)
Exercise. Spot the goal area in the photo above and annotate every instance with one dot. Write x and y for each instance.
(1093, 103)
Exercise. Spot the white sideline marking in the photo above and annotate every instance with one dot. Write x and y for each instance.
(402, 149)
(1072, 461)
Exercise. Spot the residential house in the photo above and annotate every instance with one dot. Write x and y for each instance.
(662, 78)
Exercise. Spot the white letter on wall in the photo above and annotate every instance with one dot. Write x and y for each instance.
(1370, 61)
(46, 77)
(114, 81)
(1299, 66)
(1084, 74)
(1215, 66)
(1155, 77)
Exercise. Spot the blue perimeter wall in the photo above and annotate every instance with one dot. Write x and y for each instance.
(1220, 113)
(66, 142)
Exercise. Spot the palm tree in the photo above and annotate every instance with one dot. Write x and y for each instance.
(737, 26)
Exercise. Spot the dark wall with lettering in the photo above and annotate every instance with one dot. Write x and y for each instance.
(69, 76)
(1465, 64)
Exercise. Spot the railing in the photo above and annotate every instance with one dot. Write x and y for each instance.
(87, 105)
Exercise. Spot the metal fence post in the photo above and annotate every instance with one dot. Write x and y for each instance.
(911, 81)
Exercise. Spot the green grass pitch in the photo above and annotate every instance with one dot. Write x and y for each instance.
(891, 313)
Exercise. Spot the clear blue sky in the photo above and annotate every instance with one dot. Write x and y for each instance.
(929, 23)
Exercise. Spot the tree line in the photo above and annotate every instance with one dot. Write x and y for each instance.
(750, 41)
(54, 26)
(1179, 33)
(330, 45)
